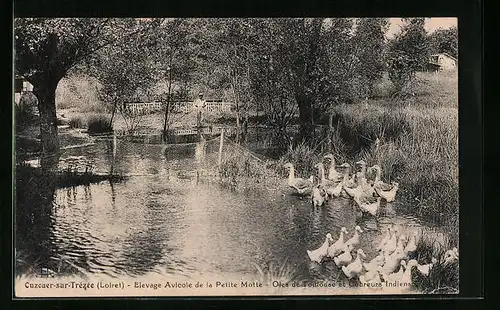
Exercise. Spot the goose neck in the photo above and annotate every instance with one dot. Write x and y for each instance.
(321, 171)
(291, 174)
(332, 166)
(377, 175)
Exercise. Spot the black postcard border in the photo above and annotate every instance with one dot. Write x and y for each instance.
(469, 15)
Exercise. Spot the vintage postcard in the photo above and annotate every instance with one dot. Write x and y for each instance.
(235, 156)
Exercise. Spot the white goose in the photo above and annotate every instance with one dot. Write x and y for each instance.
(391, 262)
(371, 276)
(391, 244)
(338, 246)
(318, 254)
(450, 256)
(411, 246)
(403, 276)
(386, 238)
(366, 189)
(354, 241)
(333, 174)
(355, 268)
(393, 276)
(328, 185)
(384, 190)
(406, 278)
(350, 183)
(377, 261)
(300, 185)
(318, 196)
(425, 269)
(368, 205)
(344, 258)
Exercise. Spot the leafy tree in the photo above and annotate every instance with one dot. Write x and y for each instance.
(174, 43)
(408, 52)
(444, 41)
(369, 42)
(229, 50)
(125, 71)
(47, 48)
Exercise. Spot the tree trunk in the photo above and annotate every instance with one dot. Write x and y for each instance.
(237, 127)
(113, 113)
(46, 95)
(330, 133)
(305, 117)
(245, 128)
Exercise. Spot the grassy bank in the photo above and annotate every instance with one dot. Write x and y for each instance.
(418, 148)
(418, 134)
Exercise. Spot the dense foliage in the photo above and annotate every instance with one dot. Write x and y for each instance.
(280, 67)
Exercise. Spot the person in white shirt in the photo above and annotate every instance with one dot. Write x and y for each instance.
(199, 105)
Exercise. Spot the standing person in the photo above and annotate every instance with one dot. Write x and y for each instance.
(199, 105)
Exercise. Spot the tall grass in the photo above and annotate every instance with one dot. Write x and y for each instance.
(270, 272)
(418, 148)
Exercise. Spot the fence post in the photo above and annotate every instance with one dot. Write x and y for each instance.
(330, 132)
(221, 143)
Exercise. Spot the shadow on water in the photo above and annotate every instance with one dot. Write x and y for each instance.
(167, 219)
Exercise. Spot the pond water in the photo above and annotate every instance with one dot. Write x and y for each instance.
(163, 219)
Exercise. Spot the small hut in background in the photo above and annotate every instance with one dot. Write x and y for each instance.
(442, 61)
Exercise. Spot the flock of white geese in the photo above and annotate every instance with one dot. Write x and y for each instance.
(394, 262)
(354, 184)
(396, 252)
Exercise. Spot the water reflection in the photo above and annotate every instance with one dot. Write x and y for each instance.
(162, 220)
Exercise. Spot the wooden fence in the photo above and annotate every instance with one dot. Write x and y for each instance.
(177, 106)
(209, 130)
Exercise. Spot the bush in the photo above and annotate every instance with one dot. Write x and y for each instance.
(76, 122)
(99, 123)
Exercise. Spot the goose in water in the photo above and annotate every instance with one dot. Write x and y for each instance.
(338, 246)
(333, 174)
(384, 190)
(328, 185)
(318, 196)
(362, 189)
(425, 269)
(392, 261)
(318, 254)
(350, 180)
(300, 185)
(450, 256)
(354, 241)
(384, 240)
(377, 261)
(393, 276)
(366, 189)
(337, 190)
(371, 276)
(356, 267)
(404, 273)
(391, 244)
(368, 205)
(411, 246)
(344, 258)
